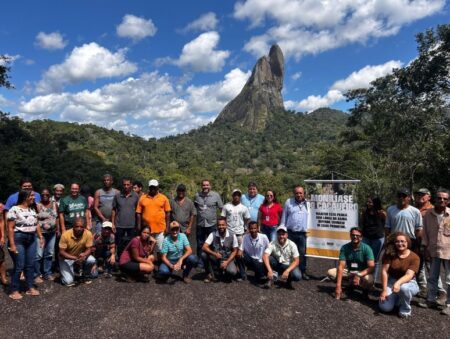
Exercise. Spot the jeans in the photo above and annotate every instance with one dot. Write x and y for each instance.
(201, 235)
(434, 277)
(271, 232)
(294, 275)
(123, 237)
(255, 265)
(299, 238)
(44, 256)
(24, 259)
(189, 263)
(376, 245)
(401, 299)
(66, 268)
(212, 262)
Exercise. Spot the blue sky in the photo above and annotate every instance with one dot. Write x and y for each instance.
(162, 68)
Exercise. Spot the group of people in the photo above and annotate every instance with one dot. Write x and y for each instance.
(141, 232)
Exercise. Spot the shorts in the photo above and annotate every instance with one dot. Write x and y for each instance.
(159, 240)
(2, 254)
(130, 267)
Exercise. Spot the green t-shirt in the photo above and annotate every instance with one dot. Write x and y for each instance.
(72, 208)
(356, 260)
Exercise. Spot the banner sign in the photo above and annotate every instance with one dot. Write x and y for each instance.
(333, 211)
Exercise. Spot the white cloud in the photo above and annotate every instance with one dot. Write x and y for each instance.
(358, 79)
(135, 28)
(206, 22)
(88, 62)
(5, 102)
(150, 105)
(200, 54)
(50, 41)
(296, 75)
(311, 27)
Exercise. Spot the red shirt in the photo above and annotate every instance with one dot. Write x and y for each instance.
(270, 216)
(136, 242)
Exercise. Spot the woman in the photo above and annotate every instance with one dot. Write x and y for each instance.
(48, 220)
(373, 221)
(400, 265)
(22, 229)
(137, 258)
(269, 215)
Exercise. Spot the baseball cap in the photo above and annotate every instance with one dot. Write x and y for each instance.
(181, 188)
(423, 190)
(281, 228)
(106, 224)
(403, 190)
(174, 224)
(153, 182)
(236, 191)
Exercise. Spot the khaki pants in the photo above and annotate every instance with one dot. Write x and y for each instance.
(366, 282)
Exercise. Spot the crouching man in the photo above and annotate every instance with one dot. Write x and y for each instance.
(356, 264)
(219, 251)
(75, 248)
(282, 256)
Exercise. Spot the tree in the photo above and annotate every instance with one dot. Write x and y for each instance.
(4, 70)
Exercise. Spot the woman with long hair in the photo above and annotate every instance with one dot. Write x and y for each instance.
(372, 226)
(23, 226)
(269, 215)
(400, 266)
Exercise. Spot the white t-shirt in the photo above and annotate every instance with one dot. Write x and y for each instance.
(229, 240)
(25, 219)
(255, 247)
(236, 216)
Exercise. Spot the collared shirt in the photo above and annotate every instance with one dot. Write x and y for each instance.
(252, 204)
(182, 212)
(236, 216)
(295, 215)
(283, 254)
(423, 210)
(254, 247)
(356, 259)
(153, 210)
(75, 246)
(406, 220)
(436, 233)
(207, 206)
(175, 249)
(125, 207)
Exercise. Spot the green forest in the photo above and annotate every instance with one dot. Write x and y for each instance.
(396, 134)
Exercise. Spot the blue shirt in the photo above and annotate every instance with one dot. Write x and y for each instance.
(252, 204)
(12, 200)
(295, 215)
(175, 249)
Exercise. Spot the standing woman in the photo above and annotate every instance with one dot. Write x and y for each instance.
(48, 220)
(22, 229)
(400, 266)
(269, 215)
(373, 221)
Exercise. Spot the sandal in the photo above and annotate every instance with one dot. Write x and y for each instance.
(33, 292)
(16, 296)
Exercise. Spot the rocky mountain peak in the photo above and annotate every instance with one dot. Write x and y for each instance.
(261, 95)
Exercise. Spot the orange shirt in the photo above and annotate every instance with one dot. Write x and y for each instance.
(153, 210)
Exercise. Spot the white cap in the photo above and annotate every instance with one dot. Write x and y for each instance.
(107, 224)
(281, 228)
(153, 182)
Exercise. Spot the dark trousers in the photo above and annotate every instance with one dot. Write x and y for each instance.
(201, 235)
(123, 237)
(255, 265)
(299, 238)
(211, 263)
(294, 275)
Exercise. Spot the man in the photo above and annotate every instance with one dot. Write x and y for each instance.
(219, 251)
(73, 206)
(436, 240)
(176, 254)
(75, 248)
(356, 264)
(153, 210)
(103, 201)
(252, 249)
(207, 203)
(422, 199)
(25, 184)
(282, 256)
(58, 192)
(105, 249)
(183, 210)
(295, 219)
(252, 200)
(123, 215)
(137, 187)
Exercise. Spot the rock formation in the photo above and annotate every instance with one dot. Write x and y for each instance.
(261, 95)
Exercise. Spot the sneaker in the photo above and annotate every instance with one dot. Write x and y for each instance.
(87, 281)
(305, 277)
(187, 280)
(430, 304)
(289, 286)
(404, 315)
(446, 311)
(268, 285)
(50, 278)
(38, 280)
(423, 293)
(70, 285)
(210, 278)
(442, 298)
(239, 280)
(107, 275)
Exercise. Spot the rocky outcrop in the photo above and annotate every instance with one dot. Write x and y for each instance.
(261, 95)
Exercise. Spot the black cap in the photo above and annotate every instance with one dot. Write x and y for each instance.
(404, 191)
(181, 188)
